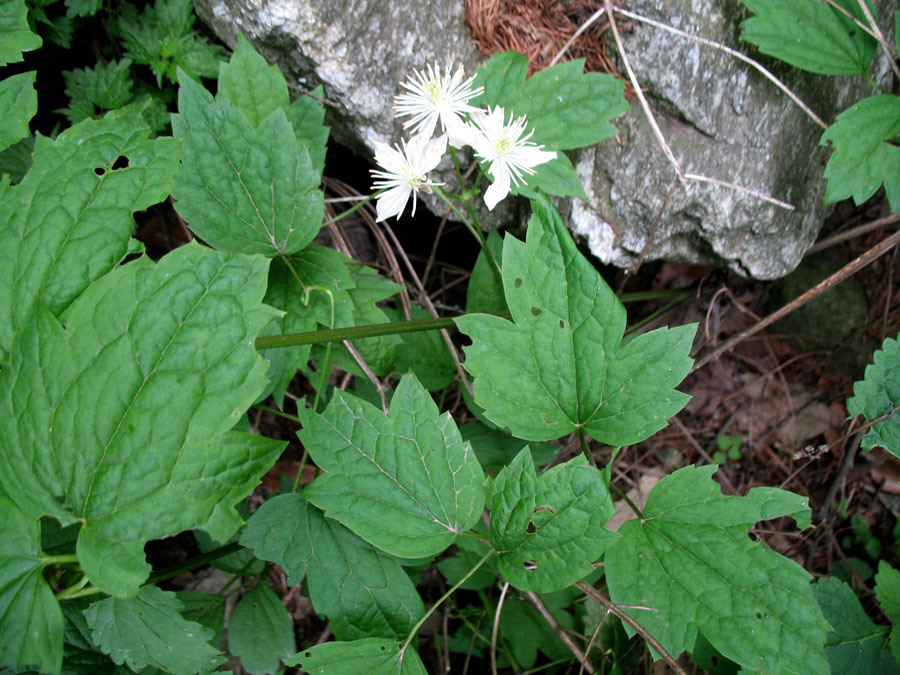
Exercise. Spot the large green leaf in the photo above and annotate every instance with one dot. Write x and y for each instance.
(70, 220)
(251, 85)
(240, 187)
(18, 104)
(307, 116)
(887, 590)
(121, 420)
(877, 396)
(261, 631)
(15, 35)
(866, 153)
(406, 483)
(370, 656)
(689, 559)
(31, 621)
(856, 645)
(362, 591)
(424, 353)
(148, 630)
(559, 365)
(810, 35)
(548, 530)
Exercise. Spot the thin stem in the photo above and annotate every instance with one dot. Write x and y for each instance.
(303, 458)
(275, 411)
(476, 231)
(74, 592)
(67, 559)
(352, 333)
(585, 448)
(440, 600)
(353, 209)
(627, 500)
(193, 563)
(662, 310)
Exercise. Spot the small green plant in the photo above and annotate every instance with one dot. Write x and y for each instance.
(729, 448)
(125, 383)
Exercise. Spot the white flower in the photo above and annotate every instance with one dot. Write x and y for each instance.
(432, 96)
(404, 172)
(508, 154)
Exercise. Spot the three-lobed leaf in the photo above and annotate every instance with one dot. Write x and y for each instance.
(70, 220)
(243, 188)
(148, 630)
(363, 592)
(80, 407)
(559, 365)
(866, 154)
(689, 560)
(810, 35)
(261, 631)
(548, 529)
(877, 397)
(406, 483)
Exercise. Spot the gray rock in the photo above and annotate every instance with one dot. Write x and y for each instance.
(721, 118)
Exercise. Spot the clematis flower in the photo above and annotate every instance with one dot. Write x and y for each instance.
(432, 96)
(509, 154)
(404, 172)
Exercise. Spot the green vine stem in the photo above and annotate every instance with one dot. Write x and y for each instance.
(193, 563)
(351, 333)
(67, 559)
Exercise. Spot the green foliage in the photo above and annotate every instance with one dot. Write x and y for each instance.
(261, 632)
(366, 454)
(565, 107)
(689, 558)
(856, 644)
(887, 590)
(18, 104)
(811, 35)
(106, 87)
(370, 656)
(148, 630)
(559, 366)
(15, 35)
(877, 397)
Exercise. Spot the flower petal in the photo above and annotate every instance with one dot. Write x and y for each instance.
(392, 202)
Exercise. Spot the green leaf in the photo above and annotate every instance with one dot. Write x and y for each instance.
(54, 242)
(148, 630)
(240, 188)
(877, 395)
(810, 35)
(83, 7)
(548, 530)
(559, 366)
(15, 35)
(484, 294)
(566, 107)
(18, 104)
(887, 590)
(31, 621)
(251, 85)
(406, 483)
(371, 656)
(690, 560)
(106, 87)
(16, 160)
(363, 592)
(307, 116)
(261, 631)
(866, 153)
(496, 449)
(163, 39)
(856, 645)
(80, 408)
(207, 609)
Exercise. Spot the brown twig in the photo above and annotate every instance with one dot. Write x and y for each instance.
(592, 593)
(853, 233)
(496, 628)
(848, 270)
(535, 600)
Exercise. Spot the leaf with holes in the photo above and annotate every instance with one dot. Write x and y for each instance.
(362, 591)
(371, 656)
(243, 188)
(689, 562)
(548, 530)
(866, 151)
(877, 397)
(559, 365)
(80, 407)
(70, 220)
(406, 483)
(148, 630)
(810, 35)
